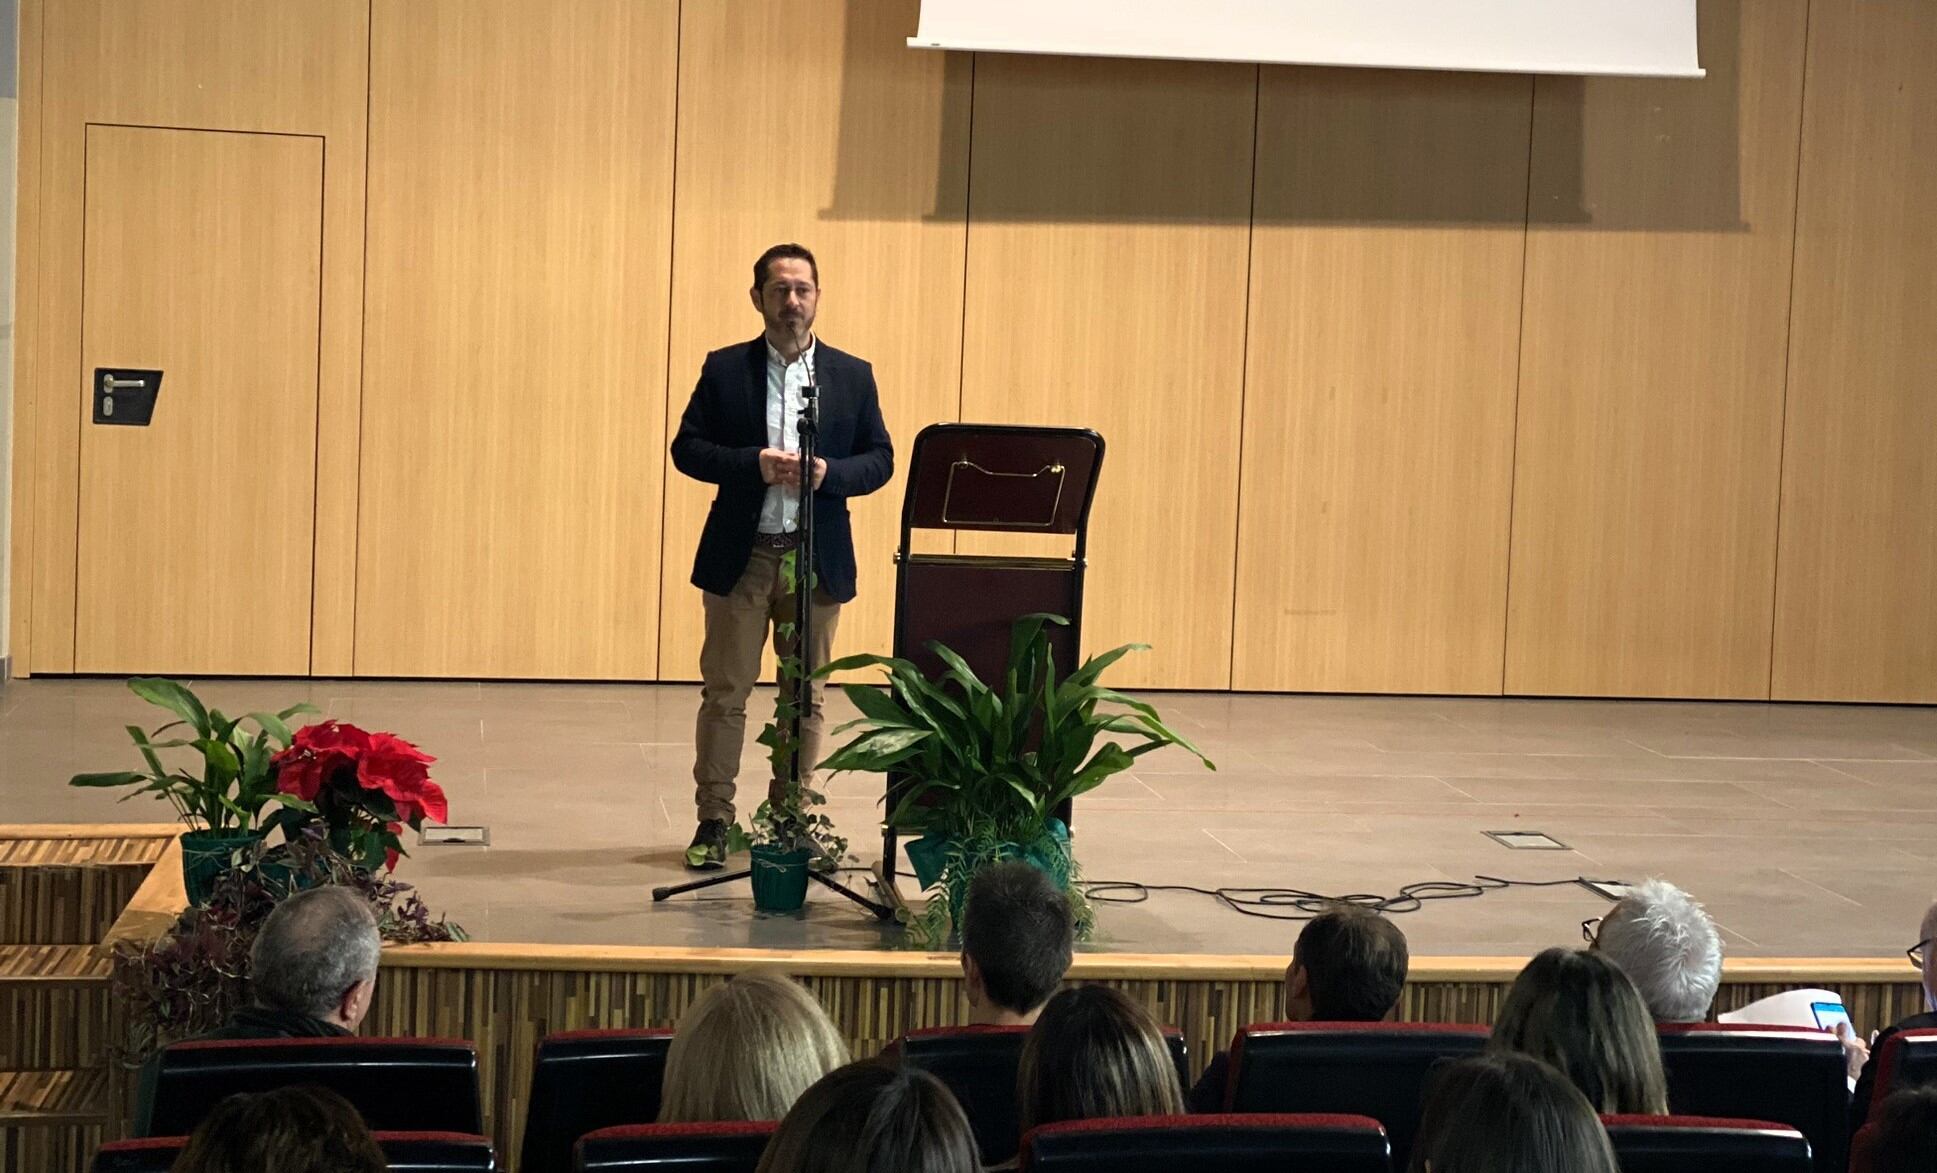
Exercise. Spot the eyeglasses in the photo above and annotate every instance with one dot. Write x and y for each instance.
(1589, 928)
(1916, 952)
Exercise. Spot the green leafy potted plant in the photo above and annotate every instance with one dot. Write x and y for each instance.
(787, 833)
(987, 768)
(221, 801)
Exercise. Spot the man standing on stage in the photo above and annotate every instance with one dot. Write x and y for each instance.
(739, 432)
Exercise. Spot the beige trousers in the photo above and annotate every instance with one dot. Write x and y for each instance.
(729, 664)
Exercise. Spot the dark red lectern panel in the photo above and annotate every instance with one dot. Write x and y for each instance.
(991, 478)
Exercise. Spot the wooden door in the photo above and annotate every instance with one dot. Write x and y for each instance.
(202, 259)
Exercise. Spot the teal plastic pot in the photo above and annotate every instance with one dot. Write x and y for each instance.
(206, 855)
(779, 878)
(927, 855)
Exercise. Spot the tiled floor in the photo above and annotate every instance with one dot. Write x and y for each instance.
(1808, 830)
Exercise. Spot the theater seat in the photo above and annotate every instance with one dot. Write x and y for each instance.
(1863, 1150)
(1706, 1144)
(397, 1084)
(1376, 1069)
(152, 1154)
(411, 1152)
(1272, 1143)
(1906, 1059)
(1791, 1075)
(437, 1152)
(585, 1080)
(726, 1147)
(979, 1064)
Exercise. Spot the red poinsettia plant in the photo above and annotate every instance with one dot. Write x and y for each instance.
(365, 788)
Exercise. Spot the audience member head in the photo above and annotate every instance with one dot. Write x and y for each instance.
(746, 1050)
(1093, 1053)
(1348, 966)
(1017, 934)
(1577, 1011)
(1905, 1136)
(873, 1117)
(1668, 947)
(1927, 943)
(288, 1130)
(1508, 1114)
(317, 956)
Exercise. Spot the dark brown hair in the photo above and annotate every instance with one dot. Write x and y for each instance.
(1905, 1136)
(1020, 932)
(1508, 1114)
(1355, 964)
(1096, 1053)
(873, 1117)
(796, 252)
(1579, 1012)
(288, 1130)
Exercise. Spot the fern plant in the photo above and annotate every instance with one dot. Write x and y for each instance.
(986, 768)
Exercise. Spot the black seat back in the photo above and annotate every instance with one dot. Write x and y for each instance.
(396, 1084)
(585, 1080)
(437, 1152)
(1790, 1075)
(1906, 1059)
(1376, 1069)
(1705, 1144)
(729, 1147)
(410, 1152)
(153, 1154)
(1271, 1143)
(979, 1064)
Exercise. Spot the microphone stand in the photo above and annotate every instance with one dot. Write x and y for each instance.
(807, 429)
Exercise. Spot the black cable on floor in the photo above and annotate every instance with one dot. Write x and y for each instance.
(1302, 905)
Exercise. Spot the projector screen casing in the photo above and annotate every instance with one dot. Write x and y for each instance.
(1643, 38)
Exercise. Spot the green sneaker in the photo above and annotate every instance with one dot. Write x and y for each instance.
(708, 850)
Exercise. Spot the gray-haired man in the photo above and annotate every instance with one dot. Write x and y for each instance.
(313, 969)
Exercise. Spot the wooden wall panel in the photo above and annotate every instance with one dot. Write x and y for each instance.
(248, 65)
(23, 432)
(1386, 257)
(1109, 209)
(519, 246)
(1650, 414)
(868, 169)
(1856, 608)
(204, 259)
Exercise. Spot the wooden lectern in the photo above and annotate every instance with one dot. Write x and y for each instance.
(990, 478)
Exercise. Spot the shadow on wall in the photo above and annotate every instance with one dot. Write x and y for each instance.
(1382, 175)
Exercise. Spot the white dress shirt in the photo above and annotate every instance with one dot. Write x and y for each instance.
(780, 512)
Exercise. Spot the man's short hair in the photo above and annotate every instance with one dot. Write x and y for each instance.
(312, 949)
(789, 250)
(1355, 964)
(1019, 930)
(1663, 940)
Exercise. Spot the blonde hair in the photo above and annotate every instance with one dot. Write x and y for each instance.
(746, 1050)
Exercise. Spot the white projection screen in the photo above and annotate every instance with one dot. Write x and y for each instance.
(1645, 38)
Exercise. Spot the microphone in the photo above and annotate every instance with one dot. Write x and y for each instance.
(812, 390)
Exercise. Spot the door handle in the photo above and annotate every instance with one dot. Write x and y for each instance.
(124, 396)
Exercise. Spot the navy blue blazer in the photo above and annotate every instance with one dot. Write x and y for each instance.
(719, 441)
